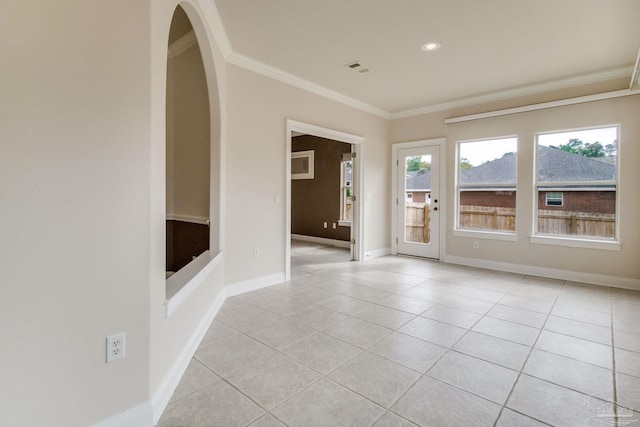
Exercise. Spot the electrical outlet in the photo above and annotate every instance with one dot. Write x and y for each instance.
(256, 252)
(116, 346)
(334, 225)
(325, 225)
(476, 245)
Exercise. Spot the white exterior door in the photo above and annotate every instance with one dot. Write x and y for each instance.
(418, 202)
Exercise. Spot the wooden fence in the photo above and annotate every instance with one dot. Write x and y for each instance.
(549, 221)
(417, 222)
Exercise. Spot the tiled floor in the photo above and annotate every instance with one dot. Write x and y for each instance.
(400, 342)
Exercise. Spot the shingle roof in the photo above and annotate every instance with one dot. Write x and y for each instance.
(555, 165)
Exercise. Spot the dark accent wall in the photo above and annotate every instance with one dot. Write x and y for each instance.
(184, 241)
(315, 201)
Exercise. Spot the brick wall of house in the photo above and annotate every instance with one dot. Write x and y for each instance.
(501, 199)
(582, 201)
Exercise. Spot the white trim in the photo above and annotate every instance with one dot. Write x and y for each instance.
(162, 395)
(182, 44)
(544, 105)
(376, 253)
(573, 242)
(553, 273)
(211, 16)
(275, 73)
(189, 278)
(344, 223)
(358, 186)
(253, 284)
(485, 235)
(138, 416)
(188, 218)
(636, 72)
(321, 240)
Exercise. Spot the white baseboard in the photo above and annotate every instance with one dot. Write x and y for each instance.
(253, 284)
(377, 253)
(553, 273)
(163, 394)
(138, 416)
(321, 240)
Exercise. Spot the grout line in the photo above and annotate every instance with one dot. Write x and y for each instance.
(513, 387)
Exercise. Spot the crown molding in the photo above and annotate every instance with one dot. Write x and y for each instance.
(259, 67)
(602, 76)
(182, 44)
(636, 72)
(212, 16)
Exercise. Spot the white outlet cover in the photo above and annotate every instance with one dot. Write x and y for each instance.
(116, 347)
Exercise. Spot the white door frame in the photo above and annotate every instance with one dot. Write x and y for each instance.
(442, 144)
(357, 222)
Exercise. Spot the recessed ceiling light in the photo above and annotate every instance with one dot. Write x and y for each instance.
(431, 46)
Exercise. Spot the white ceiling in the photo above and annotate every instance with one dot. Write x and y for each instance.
(488, 46)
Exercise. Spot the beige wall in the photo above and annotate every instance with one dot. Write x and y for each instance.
(188, 140)
(257, 109)
(74, 186)
(623, 111)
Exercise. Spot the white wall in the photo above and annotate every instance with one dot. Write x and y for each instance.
(74, 190)
(614, 264)
(257, 110)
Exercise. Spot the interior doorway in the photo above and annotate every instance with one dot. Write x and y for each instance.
(346, 222)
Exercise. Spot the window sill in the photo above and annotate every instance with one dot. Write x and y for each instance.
(342, 223)
(573, 242)
(183, 283)
(486, 235)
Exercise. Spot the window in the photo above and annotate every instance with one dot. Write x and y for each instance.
(346, 202)
(576, 174)
(302, 164)
(554, 198)
(486, 186)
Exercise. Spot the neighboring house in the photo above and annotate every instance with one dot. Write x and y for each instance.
(418, 187)
(494, 183)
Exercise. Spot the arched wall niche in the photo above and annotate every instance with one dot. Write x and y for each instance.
(193, 150)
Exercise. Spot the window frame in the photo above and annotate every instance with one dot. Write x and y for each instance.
(569, 240)
(487, 234)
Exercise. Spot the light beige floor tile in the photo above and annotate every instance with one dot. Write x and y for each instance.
(510, 418)
(575, 328)
(551, 403)
(469, 304)
(433, 331)
(627, 340)
(507, 330)
(281, 333)
(195, 377)
(232, 353)
(358, 332)
(346, 305)
(385, 316)
(495, 350)
(217, 405)
(426, 294)
(318, 317)
(433, 403)
(285, 305)
(479, 377)
(628, 390)
(326, 403)
(247, 318)
(267, 420)
(321, 352)
(452, 316)
(570, 373)
(630, 324)
(527, 304)
(518, 315)
(575, 348)
(581, 314)
(481, 294)
(273, 379)
(216, 332)
(375, 378)
(411, 352)
(390, 419)
(408, 304)
(627, 362)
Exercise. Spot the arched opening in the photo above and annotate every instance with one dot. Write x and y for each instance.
(192, 155)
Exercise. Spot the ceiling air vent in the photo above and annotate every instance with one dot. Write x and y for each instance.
(358, 67)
